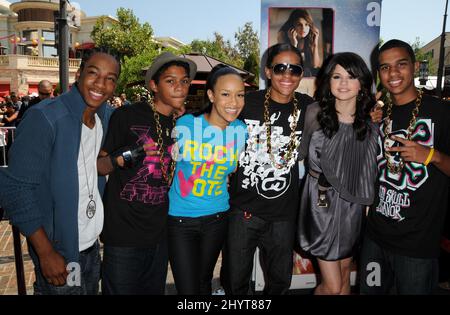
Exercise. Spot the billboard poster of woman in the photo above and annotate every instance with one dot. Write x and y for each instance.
(319, 28)
(308, 29)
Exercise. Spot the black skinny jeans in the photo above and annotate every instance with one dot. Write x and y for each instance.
(276, 243)
(194, 246)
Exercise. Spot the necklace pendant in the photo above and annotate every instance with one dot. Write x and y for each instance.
(91, 208)
(167, 132)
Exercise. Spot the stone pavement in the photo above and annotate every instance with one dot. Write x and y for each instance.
(8, 282)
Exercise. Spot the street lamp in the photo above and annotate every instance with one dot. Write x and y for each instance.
(423, 72)
(63, 46)
(441, 55)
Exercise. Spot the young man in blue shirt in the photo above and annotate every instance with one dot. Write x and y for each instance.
(49, 190)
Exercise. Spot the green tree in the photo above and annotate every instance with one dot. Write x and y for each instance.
(133, 68)
(247, 45)
(251, 64)
(421, 56)
(126, 38)
(244, 54)
(131, 41)
(247, 41)
(219, 49)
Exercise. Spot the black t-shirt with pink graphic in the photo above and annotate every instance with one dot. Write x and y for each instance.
(407, 217)
(135, 199)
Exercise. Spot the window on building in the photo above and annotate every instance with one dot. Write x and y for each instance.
(432, 53)
(48, 35)
(30, 34)
(49, 51)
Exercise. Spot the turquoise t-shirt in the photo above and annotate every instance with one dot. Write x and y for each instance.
(205, 156)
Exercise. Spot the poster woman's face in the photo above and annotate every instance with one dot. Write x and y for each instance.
(302, 27)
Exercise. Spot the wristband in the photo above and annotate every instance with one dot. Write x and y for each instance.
(114, 161)
(131, 156)
(127, 159)
(430, 156)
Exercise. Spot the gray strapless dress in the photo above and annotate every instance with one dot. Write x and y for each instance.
(349, 165)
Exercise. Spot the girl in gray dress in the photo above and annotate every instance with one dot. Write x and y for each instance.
(340, 144)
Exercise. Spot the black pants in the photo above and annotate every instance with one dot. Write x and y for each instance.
(3, 156)
(275, 241)
(135, 270)
(194, 246)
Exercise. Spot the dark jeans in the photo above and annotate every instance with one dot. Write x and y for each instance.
(382, 270)
(194, 246)
(133, 270)
(3, 156)
(90, 275)
(275, 241)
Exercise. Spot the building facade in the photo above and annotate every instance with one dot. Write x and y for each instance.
(28, 54)
(27, 43)
(433, 50)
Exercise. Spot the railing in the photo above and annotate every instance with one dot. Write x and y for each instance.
(6, 138)
(25, 61)
(74, 63)
(50, 62)
(42, 62)
(4, 60)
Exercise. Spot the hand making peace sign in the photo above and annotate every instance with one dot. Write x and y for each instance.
(411, 151)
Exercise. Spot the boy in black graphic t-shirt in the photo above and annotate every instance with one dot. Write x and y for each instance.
(264, 193)
(137, 194)
(405, 223)
(136, 204)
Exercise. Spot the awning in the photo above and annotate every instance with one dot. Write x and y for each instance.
(32, 88)
(4, 89)
(85, 46)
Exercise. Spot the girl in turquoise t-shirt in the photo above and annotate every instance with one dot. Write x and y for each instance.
(208, 148)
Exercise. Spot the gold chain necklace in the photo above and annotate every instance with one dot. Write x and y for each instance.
(292, 143)
(168, 176)
(395, 169)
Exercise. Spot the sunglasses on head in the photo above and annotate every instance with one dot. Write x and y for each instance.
(281, 68)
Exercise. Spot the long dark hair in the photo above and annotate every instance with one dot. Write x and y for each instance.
(356, 67)
(292, 20)
(216, 72)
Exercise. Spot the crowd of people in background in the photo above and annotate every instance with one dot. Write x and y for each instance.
(14, 106)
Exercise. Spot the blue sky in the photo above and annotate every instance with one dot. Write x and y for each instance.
(199, 19)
